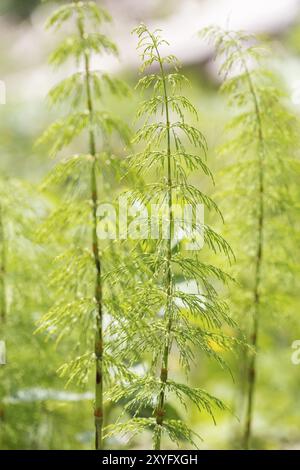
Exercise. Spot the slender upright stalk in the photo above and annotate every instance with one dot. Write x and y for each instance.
(160, 410)
(251, 369)
(98, 412)
(251, 366)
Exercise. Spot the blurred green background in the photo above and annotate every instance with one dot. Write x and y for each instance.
(36, 411)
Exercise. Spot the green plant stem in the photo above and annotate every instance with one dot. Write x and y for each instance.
(98, 411)
(251, 366)
(160, 410)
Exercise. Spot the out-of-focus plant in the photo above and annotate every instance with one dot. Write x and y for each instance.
(261, 190)
(79, 276)
(20, 207)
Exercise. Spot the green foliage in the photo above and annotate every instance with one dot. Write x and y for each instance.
(21, 297)
(143, 328)
(19, 209)
(85, 180)
(261, 183)
(180, 321)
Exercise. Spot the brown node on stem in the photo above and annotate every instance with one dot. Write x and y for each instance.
(164, 375)
(98, 413)
(160, 413)
(98, 348)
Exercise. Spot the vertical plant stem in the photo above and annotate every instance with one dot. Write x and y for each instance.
(160, 410)
(251, 366)
(98, 411)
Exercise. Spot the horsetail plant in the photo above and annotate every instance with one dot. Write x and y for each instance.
(180, 320)
(83, 177)
(262, 189)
